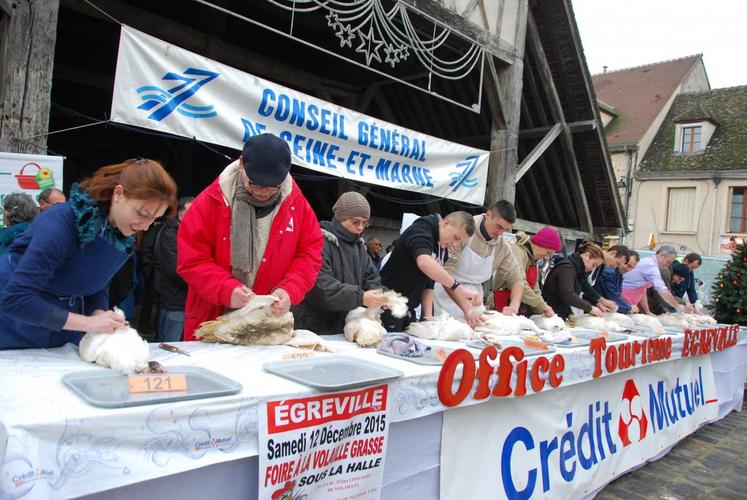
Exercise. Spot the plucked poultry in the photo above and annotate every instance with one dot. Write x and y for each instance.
(623, 320)
(646, 320)
(124, 350)
(253, 324)
(443, 327)
(551, 324)
(363, 324)
(501, 324)
(588, 321)
(675, 320)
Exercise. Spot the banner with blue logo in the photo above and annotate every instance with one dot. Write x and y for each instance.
(570, 442)
(164, 87)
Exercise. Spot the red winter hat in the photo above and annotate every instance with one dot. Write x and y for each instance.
(547, 237)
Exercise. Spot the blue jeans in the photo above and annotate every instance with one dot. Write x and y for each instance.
(170, 325)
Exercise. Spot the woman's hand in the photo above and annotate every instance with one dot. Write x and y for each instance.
(104, 322)
(595, 311)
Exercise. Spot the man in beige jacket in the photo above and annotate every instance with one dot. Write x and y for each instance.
(485, 253)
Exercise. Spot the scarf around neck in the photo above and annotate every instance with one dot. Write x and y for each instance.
(91, 221)
(244, 213)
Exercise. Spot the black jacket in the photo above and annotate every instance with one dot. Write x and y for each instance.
(171, 290)
(347, 272)
(564, 284)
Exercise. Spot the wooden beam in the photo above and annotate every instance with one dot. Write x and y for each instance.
(620, 214)
(504, 142)
(540, 148)
(531, 181)
(495, 94)
(368, 96)
(580, 126)
(6, 7)
(524, 201)
(534, 43)
(26, 65)
(552, 184)
(567, 234)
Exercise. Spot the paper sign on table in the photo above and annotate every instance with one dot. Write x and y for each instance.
(164, 382)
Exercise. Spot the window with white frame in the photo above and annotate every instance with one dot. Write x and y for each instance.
(738, 210)
(680, 209)
(691, 135)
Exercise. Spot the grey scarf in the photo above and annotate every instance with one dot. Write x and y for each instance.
(243, 222)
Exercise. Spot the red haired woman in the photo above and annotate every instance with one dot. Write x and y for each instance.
(54, 280)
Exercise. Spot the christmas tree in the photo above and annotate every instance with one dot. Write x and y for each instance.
(729, 303)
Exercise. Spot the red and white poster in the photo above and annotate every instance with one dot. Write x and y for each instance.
(569, 442)
(329, 446)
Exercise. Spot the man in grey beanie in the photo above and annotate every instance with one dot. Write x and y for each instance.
(348, 278)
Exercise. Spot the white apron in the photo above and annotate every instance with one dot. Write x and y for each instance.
(471, 271)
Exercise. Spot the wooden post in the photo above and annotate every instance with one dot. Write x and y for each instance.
(26, 63)
(504, 142)
(556, 108)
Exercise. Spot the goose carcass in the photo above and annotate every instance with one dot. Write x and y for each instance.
(501, 324)
(623, 320)
(551, 324)
(646, 320)
(588, 321)
(675, 320)
(700, 319)
(363, 324)
(124, 350)
(253, 324)
(443, 327)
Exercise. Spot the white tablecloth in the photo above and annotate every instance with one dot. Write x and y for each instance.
(60, 447)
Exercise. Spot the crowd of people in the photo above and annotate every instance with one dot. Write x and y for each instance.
(252, 232)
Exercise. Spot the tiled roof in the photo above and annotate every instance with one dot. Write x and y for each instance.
(725, 151)
(639, 94)
(695, 113)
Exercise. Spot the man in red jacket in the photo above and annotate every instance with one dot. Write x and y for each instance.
(250, 232)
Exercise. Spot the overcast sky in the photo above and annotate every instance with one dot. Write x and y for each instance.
(625, 33)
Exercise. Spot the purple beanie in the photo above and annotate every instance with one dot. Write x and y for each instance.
(547, 237)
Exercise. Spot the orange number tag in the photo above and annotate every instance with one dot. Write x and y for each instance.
(441, 355)
(297, 355)
(167, 382)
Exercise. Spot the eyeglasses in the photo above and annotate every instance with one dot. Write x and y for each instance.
(359, 223)
(257, 188)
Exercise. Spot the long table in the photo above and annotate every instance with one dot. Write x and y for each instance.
(54, 445)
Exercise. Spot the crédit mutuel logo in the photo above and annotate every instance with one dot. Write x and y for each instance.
(633, 422)
(163, 102)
